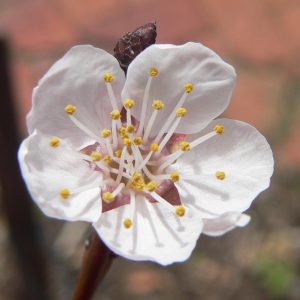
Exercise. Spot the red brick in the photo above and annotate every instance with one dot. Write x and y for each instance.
(255, 99)
(288, 155)
(37, 26)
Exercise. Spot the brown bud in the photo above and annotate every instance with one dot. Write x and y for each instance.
(133, 43)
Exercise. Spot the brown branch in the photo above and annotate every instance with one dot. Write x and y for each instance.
(98, 257)
(96, 262)
(16, 202)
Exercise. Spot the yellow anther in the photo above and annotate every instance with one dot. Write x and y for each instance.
(70, 109)
(154, 147)
(107, 197)
(115, 115)
(184, 146)
(64, 193)
(122, 132)
(188, 87)
(219, 129)
(105, 133)
(136, 176)
(174, 176)
(106, 159)
(130, 129)
(220, 175)
(138, 141)
(54, 142)
(118, 153)
(180, 211)
(180, 112)
(151, 186)
(128, 103)
(137, 181)
(127, 142)
(153, 72)
(95, 156)
(158, 104)
(127, 223)
(108, 77)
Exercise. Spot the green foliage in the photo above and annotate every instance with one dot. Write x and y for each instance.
(275, 276)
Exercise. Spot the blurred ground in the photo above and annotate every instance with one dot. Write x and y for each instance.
(261, 39)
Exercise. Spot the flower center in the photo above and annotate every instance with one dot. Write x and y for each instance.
(132, 161)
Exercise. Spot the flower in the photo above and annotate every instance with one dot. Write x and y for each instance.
(143, 159)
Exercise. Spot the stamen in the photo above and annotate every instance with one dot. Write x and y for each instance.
(114, 134)
(99, 164)
(105, 133)
(167, 160)
(122, 132)
(127, 142)
(128, 221)
(180, 211)
(137, 182)
(180, 112)
(112, 98)
(220, 175)
(115, 115)
(128, 103)
(130, 129)
(153, 72)
(151, 186)
(170, 118)
(116, 171)
(108, 77)
(163, 202)
(157, 105)
(118, 190)
(54, 142)
(107, 197)
(202, 139)
(95, 156)
(106, 159)
(70, 109)
(64, 193)
(118, 153)
(139, 157)
(188, 87)
(138, 141)
(185, 146)
(85, 129)
(174, 176)
(219, 129)
(121, 166)
(144, 162)
(154, 147)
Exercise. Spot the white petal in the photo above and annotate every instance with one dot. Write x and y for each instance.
(212, 78)
(245, 157)
(224, 223)
(47, 170)
(156, 234)
(77, 79)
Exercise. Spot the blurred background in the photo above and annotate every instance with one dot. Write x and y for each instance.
(261, 38)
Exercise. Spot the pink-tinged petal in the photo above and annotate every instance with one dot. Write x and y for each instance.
(224, 223)
(213, 81)
(244, 156)
(156, 233)
(49, 170)
(76, 79)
